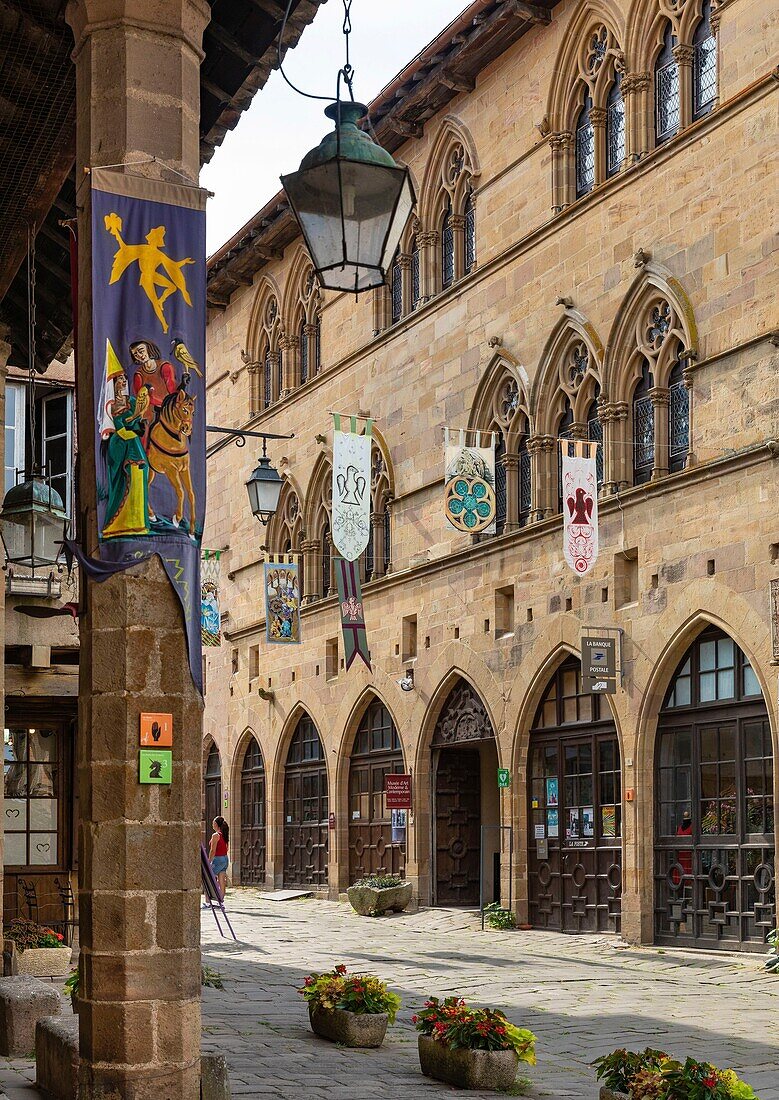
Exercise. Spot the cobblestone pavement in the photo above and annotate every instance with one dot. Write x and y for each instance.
(581, 996)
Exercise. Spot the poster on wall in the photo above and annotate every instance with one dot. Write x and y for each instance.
(580, 503)
(282, 602)
(588, 821)
(469, 480)
(552, 824)
(551, 792)
(572, 829)
(148, 342)
(351, 510)
(210, 615)
(608, 816)
(398, 826)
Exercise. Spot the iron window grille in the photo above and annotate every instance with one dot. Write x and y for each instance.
(280, 372)
(326, 560)
(643, 440)
(447, 250)
(585, 151)
(563, 432)
(470, 234)
(369, 554)
(615, 129)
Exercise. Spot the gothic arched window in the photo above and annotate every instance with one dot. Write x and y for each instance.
(326, 557)
(667, 107)
(303, 338)
(704, 65)
(279, 372)
(643, 428)
(396, 291)
(585, 150)
(595, 435)
(317, 344)
(563, 432)
(678, 420)
(525, 481)
(415, 283)
(387, 548)
(615, 127)
(266, 380)
(500, 484)
(470, 233)
(447, 248)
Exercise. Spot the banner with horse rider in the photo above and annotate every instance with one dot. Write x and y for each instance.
(470, 502)
(148, 349)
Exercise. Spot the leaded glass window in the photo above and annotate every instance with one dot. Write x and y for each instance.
(396, 289)
(500, 485)
(666, 90)
(266, 375)
(447, 249)
(678, 420)
(585, 150)
(615, 127)
(595, 435)
(643, 429)
(326, 560)
(387, 540)
(470, 234)
(563, 432)
(525, 483)
(280, 372)
(704, 65)
(317, 344)
(369, 555)
(415, 261)
(303, 337)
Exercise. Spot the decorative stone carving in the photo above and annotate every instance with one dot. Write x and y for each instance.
(463, 718)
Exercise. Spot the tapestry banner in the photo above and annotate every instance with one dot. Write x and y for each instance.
(351, 487)
(210, 615)
(148, 351)
(347, 575)
(282, 602)
(580, 503)
(469, 481)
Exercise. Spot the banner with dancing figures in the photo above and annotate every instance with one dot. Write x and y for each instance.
(355, 635)
(469, 481)
(282, 601)
(148, 350)
(210, 615)
(580, 503)
(351, 487)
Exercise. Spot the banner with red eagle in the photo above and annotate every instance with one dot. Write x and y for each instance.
(580, 503)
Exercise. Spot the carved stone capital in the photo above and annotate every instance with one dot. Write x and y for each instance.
(309, 329)
(561, 139)
(288, 343)
(598, 116)
(660, 396)
(428, 239)
(611, 411)
(457, 222)
(635, 82)
(683, 54)
(253, 366)
(404, 261)
(541, 444)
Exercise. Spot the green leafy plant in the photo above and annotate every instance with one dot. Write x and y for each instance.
(380, 882)
(618, 1069)
(72, 984)
(26, 934)
(498, 917)
(772, 962)
(211, 978)
(358, 993)
(457, 1026)
(653, 1075)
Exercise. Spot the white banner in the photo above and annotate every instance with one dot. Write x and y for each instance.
(469, 481)
(351, 488)
(580, 504)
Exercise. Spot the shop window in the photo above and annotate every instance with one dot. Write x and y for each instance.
(33, 794)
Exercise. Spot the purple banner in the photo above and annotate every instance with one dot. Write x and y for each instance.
(148, 296)
(347, 575)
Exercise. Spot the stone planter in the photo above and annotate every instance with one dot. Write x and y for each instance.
(608, 1094)
(493, 1070)
(44, 962)
(352, 1029)
(369, 901)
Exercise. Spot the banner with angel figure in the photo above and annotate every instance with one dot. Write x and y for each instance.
(210, 615)
(580, 503)
(282, 602)
(351, 487)
(469, 481)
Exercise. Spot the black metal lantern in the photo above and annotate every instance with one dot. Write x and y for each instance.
(264, 489)
(352, 202)
(32, 524)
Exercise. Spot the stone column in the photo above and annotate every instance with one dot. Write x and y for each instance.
(290, 347)
(511, 466)
(377, 528)
(684, 59)
(404, 263)
(255, 397)
(639, 125)
(543, 466)
(613, 415)
(137, 96)
(457, 223)
(660, 402)
(428, 264)
(561, 146)
(687, 378)
(309, 335)
(598, 120)
(5, 354)
(311, 570)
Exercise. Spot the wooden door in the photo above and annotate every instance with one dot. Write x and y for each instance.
(377, 836)
(457, 826)
(213, 792)
(253, 817)
(305, 809)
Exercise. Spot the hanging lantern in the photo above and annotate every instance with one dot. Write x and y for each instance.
(32, 524)
(352, 202)
(264, 489)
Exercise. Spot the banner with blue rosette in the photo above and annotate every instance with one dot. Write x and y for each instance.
(470, 503)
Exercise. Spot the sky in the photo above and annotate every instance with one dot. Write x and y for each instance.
(281, 126)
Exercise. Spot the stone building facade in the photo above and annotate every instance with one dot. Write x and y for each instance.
(589, 258)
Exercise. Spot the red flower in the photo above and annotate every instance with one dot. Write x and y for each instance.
(60, 937)
(711, 1081)
(414, 1019)
(340, 969)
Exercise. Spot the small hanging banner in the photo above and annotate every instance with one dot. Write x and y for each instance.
(580, 503)
(469, 481)
(210, 615)
(347, 575)
(148, 349)
(351, 487)
(282, 602)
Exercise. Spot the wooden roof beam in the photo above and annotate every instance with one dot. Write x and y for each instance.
(231, 44)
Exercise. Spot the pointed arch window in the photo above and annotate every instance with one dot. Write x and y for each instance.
(326, 554)
(585, 150)
(279, 373)
(317, 344)
(415, 282)
(595, 435)
(525, 482)
(563, 432)
(615, 127)
(678, 420)
(369, 558)
(266, 378)
(387, 548)
(704, 65)
(447, 248)
(470, 233)
(643, 428)
(303, 338)
(396, 291)
(666, 90)
(500, 484)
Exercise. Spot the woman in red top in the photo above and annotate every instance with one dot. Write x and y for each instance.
(218, 852)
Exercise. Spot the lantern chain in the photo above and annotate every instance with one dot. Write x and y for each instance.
(31, 332)
(347, 72)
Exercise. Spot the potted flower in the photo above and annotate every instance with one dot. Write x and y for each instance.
(71, 988)
(377, 894)
(471, 1048)
(38, 951)
(354, 1011)
(653, 1075)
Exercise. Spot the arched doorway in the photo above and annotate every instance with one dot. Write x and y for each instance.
(253, 816)
(213, 790)
(465, 784)
(715, 879)
(377, 843)
(575, 810)
(305, 809)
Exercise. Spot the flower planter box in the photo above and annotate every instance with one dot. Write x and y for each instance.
(493, 1070)
(43, 962)
(369, 901)
(352, 1029)
(609, 1094)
